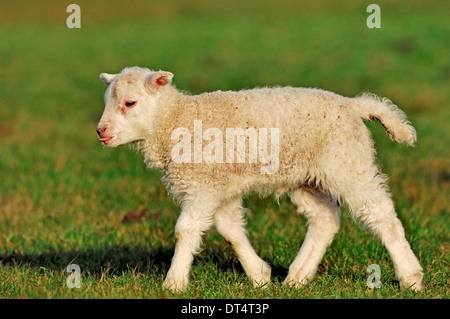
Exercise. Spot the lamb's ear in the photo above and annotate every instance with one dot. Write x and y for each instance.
(107, 78)
(158, 79)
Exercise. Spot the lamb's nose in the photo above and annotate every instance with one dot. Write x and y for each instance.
(100, 130)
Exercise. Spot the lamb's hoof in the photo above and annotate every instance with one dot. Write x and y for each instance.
(262, 279)
(176, 286)
(295, 282)
(413, 282)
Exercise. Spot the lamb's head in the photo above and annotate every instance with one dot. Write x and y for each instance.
(131, 100)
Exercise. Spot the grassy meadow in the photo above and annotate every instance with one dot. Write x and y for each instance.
(65, 199)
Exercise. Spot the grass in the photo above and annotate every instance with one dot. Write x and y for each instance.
(63, 197)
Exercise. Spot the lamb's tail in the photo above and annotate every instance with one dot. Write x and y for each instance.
(369, 107)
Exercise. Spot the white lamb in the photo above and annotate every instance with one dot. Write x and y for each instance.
(319, 152)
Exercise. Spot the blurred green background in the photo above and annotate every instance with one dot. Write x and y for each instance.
(63, 196)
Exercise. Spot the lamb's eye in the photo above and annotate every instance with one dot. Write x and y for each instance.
(130, 103)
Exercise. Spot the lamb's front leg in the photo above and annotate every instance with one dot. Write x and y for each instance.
(229, 221)
(195, 218)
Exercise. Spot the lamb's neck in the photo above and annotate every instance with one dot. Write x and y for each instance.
(154, 145)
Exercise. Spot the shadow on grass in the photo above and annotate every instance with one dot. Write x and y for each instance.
(119, 259)
(115, 259)
(227, 261)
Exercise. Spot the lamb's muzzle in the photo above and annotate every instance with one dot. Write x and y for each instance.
(102, 138)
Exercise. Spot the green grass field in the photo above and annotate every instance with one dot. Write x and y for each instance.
(64, 197)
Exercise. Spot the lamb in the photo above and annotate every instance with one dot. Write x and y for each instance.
(308, 143)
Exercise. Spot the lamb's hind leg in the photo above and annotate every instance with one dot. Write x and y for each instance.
(371, 203)
(323, 216)
(229, 222)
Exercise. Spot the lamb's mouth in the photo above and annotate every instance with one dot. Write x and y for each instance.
(105, 140)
